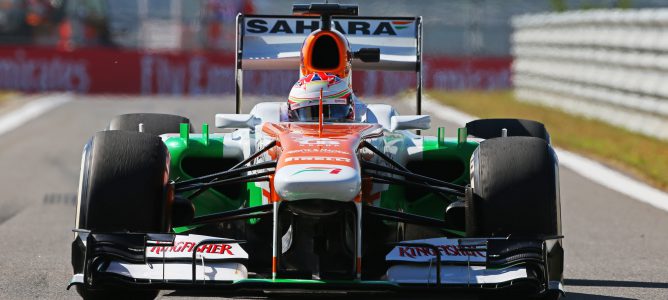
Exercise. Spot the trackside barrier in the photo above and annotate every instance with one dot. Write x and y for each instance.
(610, 65)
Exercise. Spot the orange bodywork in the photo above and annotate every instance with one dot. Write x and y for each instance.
(345, 55)
(326, 144)
(306, 140)
(312, 143)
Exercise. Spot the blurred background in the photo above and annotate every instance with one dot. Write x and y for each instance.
(105, 46)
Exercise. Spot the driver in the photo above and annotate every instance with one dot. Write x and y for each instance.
(338, 100)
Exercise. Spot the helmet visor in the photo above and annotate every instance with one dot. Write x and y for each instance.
(331, 113)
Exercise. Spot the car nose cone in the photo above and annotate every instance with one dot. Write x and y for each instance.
(317, 181)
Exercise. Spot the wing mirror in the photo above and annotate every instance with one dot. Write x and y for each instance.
(410, 122)
(237, 121)
(368, 54)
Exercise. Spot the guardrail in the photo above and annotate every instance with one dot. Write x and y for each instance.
(610, 65)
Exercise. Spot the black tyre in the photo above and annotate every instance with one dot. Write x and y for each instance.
(491, 128)
(123, 187)
(124, 183)
(155, 124)
(515, 189)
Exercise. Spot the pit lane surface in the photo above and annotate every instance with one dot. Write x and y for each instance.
(616, 247)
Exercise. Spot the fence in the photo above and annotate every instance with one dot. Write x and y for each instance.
(610, 65)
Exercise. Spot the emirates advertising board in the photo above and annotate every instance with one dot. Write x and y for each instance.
(115, 71)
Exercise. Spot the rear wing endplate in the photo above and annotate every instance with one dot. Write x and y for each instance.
(274, 42)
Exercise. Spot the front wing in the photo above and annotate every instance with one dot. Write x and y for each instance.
(187, 262)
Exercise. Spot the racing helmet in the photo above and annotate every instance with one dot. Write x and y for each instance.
(337, 99)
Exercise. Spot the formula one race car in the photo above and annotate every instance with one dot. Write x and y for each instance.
(321, 192)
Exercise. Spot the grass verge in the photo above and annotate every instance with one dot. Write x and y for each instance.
(643, 157)
(4, 95)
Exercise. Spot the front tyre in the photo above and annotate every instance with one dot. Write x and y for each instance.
(152, 123)
(515, 183)
(124, 183)
(515, 192)
(123, 187)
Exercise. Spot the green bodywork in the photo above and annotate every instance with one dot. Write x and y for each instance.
(188, 145)
(204, 146)
(434, 149)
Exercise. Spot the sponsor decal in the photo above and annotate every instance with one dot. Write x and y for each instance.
(399, 25)
(318, 169)
(312, 158)
(306, 141)
(194, 75)
(316, 77)
(317, 150)
(446, 250)
(25, 73)
(449, 249)
(187, 247)
(347, 27)
(184, 246)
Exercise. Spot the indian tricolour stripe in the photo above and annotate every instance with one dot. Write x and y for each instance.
(585, 167)
(32, 109)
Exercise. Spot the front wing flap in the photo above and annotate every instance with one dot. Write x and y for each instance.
(173, 261)
(485, 263)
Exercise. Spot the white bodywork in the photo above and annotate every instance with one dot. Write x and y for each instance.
(316, 181)
(453, 274)
(416, 264)
(264, 48)
(410, 122)
(216, 271)
(237, 121)
(219, 262)
(332, 182)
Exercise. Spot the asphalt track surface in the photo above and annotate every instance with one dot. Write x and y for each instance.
(616, 247)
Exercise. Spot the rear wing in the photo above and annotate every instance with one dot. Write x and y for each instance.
(274, 42)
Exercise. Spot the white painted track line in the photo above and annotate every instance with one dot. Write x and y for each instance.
(32, 109)
(585, 167)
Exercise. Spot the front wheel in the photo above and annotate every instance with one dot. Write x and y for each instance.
(515, 192)
(123, 187)
(515, 183)
(152, 123)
